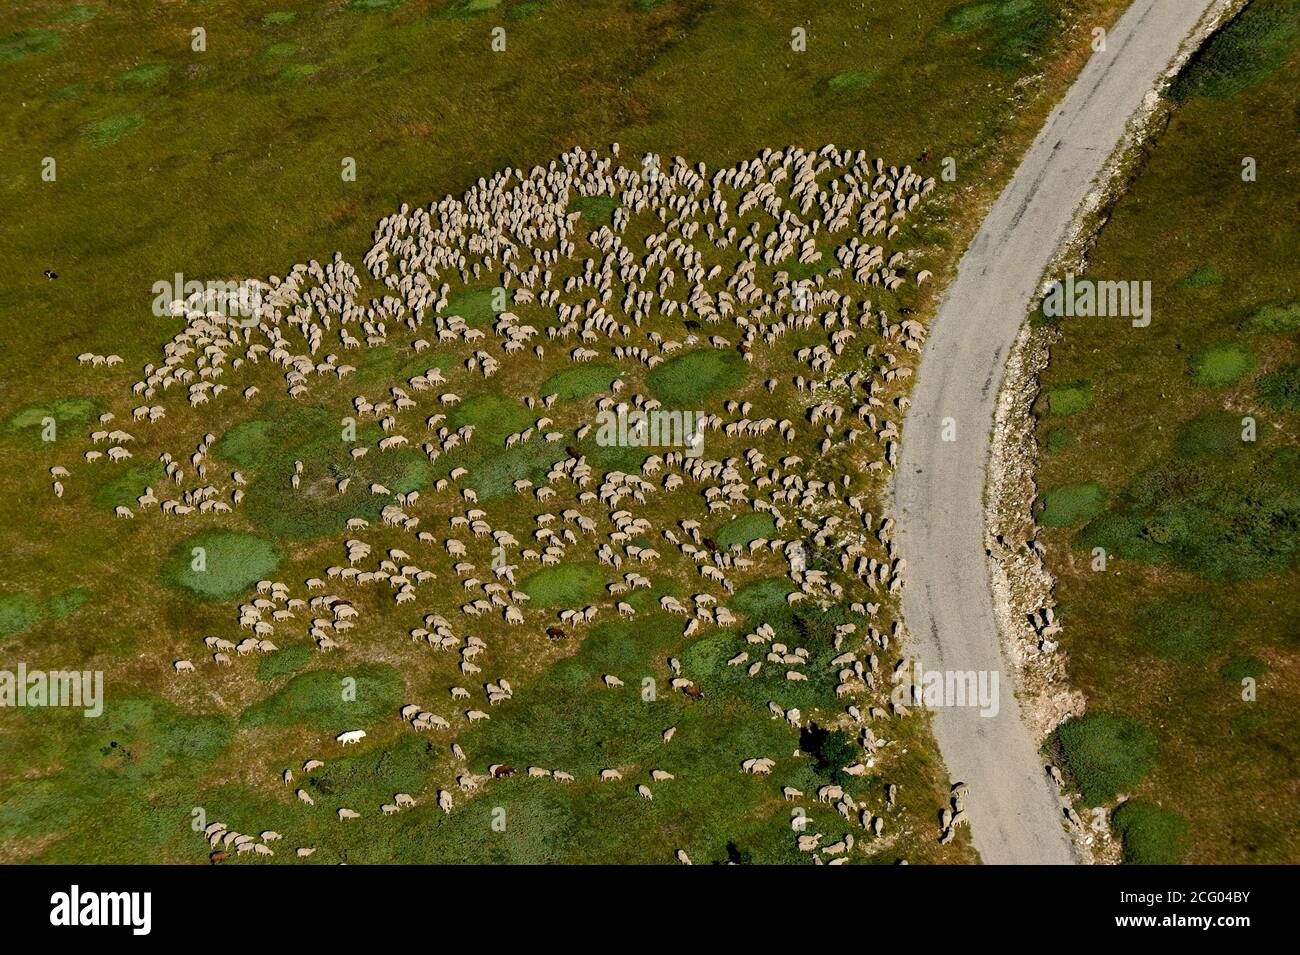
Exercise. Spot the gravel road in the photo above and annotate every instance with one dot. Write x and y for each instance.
(1014, 811)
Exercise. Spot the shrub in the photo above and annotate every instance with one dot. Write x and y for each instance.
(832, 751)
(1107, 753)
(1152, 835)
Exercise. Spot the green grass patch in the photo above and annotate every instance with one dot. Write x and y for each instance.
(565, 585)
(278, 18)
(475, 305)
(746, 528)
(375, 6)
(581, 381)
(1058, 439)
(1070, 504)
(494, 417)
(1275, 319)
(232, 562)
(1152, 835)
(1108, 753)
(139, 763)
(1065, 400)
(267, 447)
(77, 13)
(470, 8)
(1203, 276)
(762, 596)
(19, 613)
(1243, 666)
(27, 43)
(284, 661)
(852, 81)
(597, 210)
(1015, 31)
(492, 475)
(122, 489)
(64, 411)
(147, 74)
(687, 380)
(1231, 526)
(1211, 433)
(68, 602)
(111, 129)
(1221, 365)
(299, 71)
(331, 700)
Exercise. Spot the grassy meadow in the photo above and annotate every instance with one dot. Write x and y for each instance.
(1174, 451)
(227, 163)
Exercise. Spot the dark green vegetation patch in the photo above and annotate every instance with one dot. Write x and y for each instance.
(1015, 31)
(19, 613)
(1276, 319)
(579, 382)
(475, 305)
(111, 129)
(565, 585)
(1108, 753)
(19, 46)
(746, 528)
(1281, 389)
(1064, 400)
(1071, 504)
(266, 448)
(332, 701)
(1225, 524)
(1221, 365)
(1253, 45)
(232, 561)
(1152, 835)
(685, 381)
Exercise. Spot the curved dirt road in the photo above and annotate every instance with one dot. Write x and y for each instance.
(1014, 811)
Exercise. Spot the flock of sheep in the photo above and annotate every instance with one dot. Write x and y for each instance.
(688, 259)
